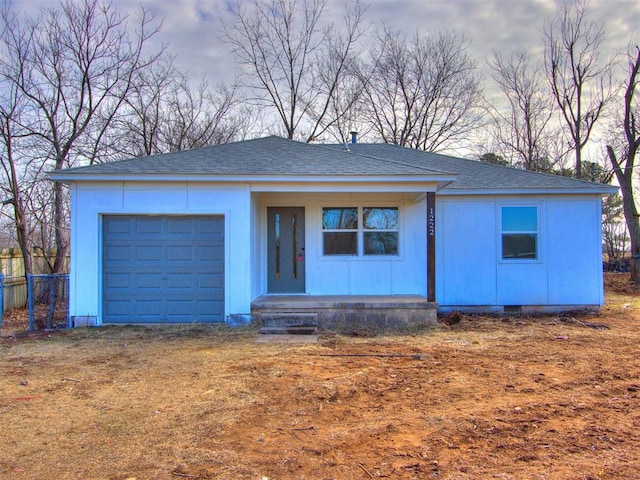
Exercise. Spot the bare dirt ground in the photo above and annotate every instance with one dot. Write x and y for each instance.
(509, 398)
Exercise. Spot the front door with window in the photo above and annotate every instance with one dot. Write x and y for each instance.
(285, 246)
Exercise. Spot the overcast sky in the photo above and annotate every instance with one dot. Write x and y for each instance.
(192, 27)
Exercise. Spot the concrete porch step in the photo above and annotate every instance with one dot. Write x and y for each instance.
(309, 330)
(287, 319)
(286, 323)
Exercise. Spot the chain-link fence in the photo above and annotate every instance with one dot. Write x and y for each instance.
(48, 301)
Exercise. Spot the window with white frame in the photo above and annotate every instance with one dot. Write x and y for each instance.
(362, 230)
(340, 231)
(519, 232)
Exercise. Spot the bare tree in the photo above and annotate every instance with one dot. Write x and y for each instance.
(15, 168)
(493, 158)
(74, 66)
(165, 113)
(614, 232)
(68, 71)
(291, 62)
(204, 117)
(522, 129)
(139, 124)
(622, 153)
(580, 83)
(421, 93)
(337, 106)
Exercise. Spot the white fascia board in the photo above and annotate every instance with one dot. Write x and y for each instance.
(604, 190)
(439, 180)
(382, 187)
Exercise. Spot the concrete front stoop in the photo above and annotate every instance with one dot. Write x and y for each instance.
(342, 313)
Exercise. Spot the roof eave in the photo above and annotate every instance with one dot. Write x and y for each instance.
(441, 180)
(590, 190)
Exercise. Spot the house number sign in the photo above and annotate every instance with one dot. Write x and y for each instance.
(431, 222)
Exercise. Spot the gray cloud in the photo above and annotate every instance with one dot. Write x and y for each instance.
(193, 27)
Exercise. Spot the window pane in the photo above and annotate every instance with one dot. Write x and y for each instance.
(380, 243)
(337, 243)
(519, 219)
(520, 245)
(340, 218)
(380, 218)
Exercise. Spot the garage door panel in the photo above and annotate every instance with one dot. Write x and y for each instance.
(123, 253)
(210, 281)
(182, 225)
(118, 311)
(209, 227)
(177, 280)
(148, 281)
(148, 253)
(163, 269)
(118, 280)
(210, 308)
(148, 225)
(177, 308)
(119, 307)
(148, 307)
(121, 226)
(180, 254)
(209, 252)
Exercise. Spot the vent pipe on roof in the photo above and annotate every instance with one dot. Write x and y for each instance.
(354, 137)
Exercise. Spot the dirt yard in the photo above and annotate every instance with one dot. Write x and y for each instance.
(506, 398)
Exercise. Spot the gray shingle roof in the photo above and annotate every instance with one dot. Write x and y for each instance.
(275, 156)
(262, 156)
(475, 175)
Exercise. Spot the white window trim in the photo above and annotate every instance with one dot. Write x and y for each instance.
(360, 255)
(539, 234)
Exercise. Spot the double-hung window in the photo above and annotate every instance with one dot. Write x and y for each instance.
(380, 231)
(340, 231)
(519, 232)
(360, 230)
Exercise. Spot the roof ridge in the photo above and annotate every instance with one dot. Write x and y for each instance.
(332, 146)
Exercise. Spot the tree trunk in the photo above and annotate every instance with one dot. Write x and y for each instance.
(625, 179)
(61, 251)
(61, 243)
(631, 218)
(22, 236)
(578, 172)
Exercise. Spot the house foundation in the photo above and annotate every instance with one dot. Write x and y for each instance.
(345, 313)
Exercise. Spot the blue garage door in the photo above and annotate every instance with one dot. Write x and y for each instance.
(163, 269)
